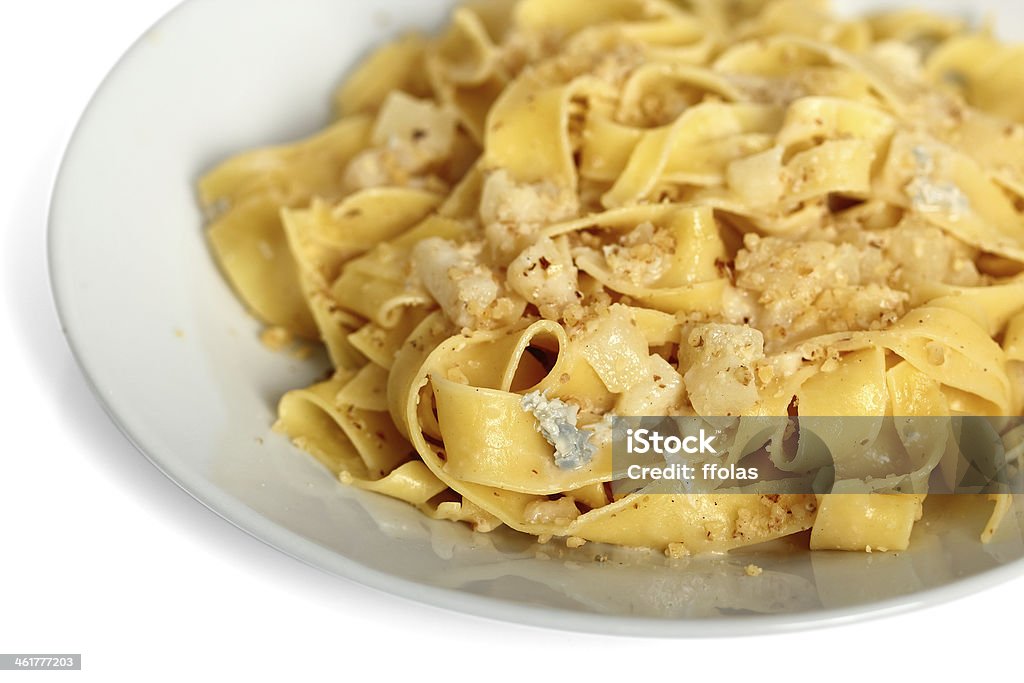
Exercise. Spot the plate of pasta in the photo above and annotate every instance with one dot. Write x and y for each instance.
(377, 283)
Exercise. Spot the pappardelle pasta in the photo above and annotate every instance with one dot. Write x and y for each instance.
(555, 212)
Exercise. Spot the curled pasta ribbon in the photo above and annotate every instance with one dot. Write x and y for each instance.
(736, 211)
(709, 522)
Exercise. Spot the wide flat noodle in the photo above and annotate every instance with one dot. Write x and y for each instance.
(556, 212)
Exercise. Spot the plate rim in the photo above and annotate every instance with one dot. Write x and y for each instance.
(292, 544)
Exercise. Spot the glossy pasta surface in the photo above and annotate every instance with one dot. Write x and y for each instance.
(556, 212)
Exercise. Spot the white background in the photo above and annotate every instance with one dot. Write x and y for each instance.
(100, 554)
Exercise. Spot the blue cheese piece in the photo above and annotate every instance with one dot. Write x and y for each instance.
(929, 195)
(556, 422)
(942, 197)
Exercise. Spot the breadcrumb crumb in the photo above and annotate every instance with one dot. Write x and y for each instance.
(276, 338)
(676, 551)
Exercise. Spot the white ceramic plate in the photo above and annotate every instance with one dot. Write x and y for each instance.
(177, 364)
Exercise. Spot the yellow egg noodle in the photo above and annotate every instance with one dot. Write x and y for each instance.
(642, 207)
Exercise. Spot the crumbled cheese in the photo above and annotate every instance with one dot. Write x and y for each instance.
(928, 196)
(373, 168)
(738, 306)
(720, 375)
(469, 292)
(919, 252)
(660, 392)
(779, 366)
(923, 159)
(898, 57)
(814, 287)
(513, 212)
(410, 136)
(642, 255)
(421, 128)
(556, 421)
(560, 511)
(544, 274)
